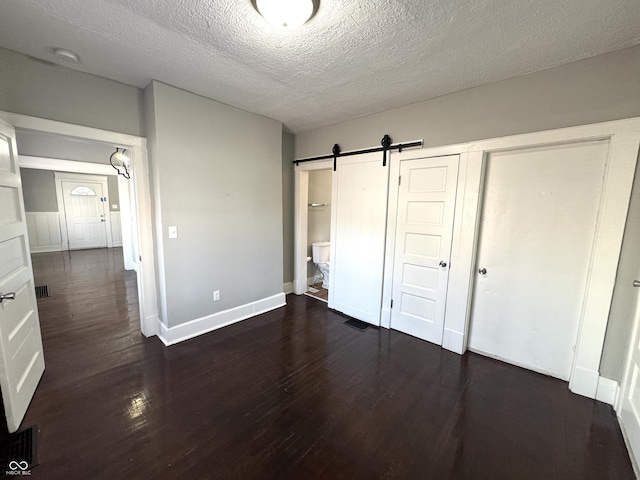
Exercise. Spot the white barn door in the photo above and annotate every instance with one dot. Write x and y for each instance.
(426, 205)
(358, 229)
(537, 230)
(21, 354)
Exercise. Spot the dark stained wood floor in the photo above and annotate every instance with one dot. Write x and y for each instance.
(291, 394)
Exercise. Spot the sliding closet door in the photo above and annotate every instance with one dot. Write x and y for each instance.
(358, 226)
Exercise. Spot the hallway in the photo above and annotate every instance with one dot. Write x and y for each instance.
(291, 394)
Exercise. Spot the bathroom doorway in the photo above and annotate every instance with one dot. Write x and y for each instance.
(313, 186)
(318, 234)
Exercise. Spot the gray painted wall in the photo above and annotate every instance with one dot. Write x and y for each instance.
(36, 88)
(113, 193)
(39, 190)
(38, 144)
(598, 89)
(288, 185)
(218, 175)
(606, 87)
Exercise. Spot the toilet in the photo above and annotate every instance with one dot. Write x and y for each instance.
(320, 252)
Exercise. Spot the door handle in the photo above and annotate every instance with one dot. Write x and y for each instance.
(482, 271)
(443, 264)
(636, 283)
(7, 296)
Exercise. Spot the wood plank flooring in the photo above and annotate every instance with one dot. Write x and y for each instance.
(291, 394)
(321, 294)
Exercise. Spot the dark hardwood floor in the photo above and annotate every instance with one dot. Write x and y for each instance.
(290, 394)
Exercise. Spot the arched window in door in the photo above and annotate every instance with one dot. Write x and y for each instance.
(83, 192)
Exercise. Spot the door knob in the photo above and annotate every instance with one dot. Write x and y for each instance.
(443, 264)
(482, 271)
(7, 296)
(636, 283)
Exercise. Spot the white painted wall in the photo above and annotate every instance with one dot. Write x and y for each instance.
(44, 231)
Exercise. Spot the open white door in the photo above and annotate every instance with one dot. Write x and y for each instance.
(426, 204)
(358, 228)
(21, 355)
(630, 404)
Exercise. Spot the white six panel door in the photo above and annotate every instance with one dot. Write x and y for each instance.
(85, 215)
(426, 206)
(21, 355)
(358, 229)
(537, 231)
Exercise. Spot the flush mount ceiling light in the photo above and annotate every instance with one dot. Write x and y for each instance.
(66, 55)
(120, 162)
(286, 14)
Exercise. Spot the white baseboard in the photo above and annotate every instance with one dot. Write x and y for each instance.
(584, 382)
(199, 326)
(607, 391)
(151, 326)
(117, 244)
(287, 288)
(46, 248)
(453, 341)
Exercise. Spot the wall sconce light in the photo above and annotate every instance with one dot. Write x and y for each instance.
(120, 161)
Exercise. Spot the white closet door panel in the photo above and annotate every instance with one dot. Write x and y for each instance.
(358, 237)
(537, 232)
(426, 205)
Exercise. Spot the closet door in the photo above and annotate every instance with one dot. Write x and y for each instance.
(426, 204)
(358, 228)
(537, 233)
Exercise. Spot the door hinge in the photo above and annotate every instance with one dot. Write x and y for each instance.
(140, 257)
(392, 303)
(399, 179)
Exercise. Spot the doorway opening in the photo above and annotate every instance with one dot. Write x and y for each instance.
(319, 234)
(138, 254)
(75, 223)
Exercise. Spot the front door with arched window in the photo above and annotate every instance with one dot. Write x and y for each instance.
(85, 214)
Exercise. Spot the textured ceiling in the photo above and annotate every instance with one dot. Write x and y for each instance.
(352, 59)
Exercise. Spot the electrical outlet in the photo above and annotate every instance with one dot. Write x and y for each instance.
(216, 295)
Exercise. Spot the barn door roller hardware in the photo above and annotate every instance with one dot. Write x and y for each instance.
(386, 147)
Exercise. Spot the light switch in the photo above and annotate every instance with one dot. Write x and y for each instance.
(173, 232)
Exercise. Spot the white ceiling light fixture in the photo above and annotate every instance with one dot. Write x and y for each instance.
(286, 14)
(66, 55)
